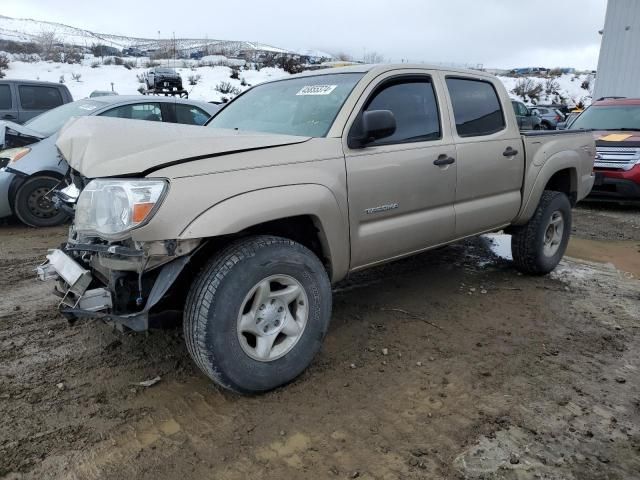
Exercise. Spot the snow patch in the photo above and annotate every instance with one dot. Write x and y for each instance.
(499, 244)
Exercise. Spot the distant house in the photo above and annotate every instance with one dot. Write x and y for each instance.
(618, 71)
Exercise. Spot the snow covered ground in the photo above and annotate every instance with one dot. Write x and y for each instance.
(568, 86)
(125, 81)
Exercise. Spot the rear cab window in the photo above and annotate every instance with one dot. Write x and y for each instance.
(38, 97)
(5, 97)
(476, 107)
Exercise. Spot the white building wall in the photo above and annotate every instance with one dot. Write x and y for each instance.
(619, 62)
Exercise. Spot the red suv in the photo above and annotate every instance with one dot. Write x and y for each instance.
(616, 127)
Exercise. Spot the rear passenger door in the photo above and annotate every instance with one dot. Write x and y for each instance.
(490, 157)
(400, 201)
(8, 107)
(36, 99)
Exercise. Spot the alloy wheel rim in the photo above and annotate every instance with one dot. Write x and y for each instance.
(272, 318)
(553, 234)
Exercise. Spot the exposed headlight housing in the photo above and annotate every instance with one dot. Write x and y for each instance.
(112, 207)
(12, 155)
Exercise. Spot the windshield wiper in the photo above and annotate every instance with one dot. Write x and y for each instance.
(623, 129)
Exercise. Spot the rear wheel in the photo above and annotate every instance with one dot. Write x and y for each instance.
(34, 202)
(257, 314)
(538, 246)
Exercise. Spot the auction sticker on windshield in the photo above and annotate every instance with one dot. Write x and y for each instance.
(316, 90)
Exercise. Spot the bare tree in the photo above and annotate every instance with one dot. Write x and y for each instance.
(528, 88)
(4, 63)
(345, 57)
(47, 41)
(372, 57)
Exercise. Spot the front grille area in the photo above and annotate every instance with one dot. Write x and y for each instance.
(617, 158)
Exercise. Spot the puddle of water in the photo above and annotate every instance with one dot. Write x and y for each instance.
(625, 255)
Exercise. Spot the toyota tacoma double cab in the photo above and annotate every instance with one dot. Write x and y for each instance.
(242, 227)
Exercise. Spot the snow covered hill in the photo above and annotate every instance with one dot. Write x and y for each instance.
(28, 30)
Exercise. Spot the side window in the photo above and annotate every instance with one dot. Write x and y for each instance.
(522, 109)
(36, 97)
(136, 111)
(516, 108)
(476, 107)
(190, 115)
(5, 97)
(413, 103)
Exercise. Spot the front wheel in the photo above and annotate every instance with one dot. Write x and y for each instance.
(538, 246)
(256, 316)
(34, 204)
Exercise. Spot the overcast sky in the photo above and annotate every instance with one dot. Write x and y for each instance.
(495, 33)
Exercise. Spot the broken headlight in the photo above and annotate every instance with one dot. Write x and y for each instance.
(12, 155)
(111, 207)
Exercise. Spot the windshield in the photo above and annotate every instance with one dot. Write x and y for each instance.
(619, 117)
(51, 121)
(304, 106)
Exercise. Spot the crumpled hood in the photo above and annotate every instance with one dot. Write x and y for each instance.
(109, 147)
(7, 127)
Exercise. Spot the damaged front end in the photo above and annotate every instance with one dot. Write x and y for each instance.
(102, 272)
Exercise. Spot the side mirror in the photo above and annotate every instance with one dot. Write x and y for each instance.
(534, 113)
(374, 125)
(561, 126)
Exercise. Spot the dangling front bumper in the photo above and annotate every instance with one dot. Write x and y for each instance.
(80, 301)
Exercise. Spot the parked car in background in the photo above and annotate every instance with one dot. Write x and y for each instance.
(568, 120)
(32, 169)
(21, 100)
(132, 52)
(163, 78)
(525, 118)
(242, 226)
(549, 117)
(102, 93)
(616, 128)
(563, 108)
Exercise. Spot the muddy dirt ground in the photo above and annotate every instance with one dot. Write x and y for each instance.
(488, 375)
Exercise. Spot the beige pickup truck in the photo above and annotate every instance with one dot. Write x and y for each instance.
(243, 226)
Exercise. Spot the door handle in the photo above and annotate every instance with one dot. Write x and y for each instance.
(9, 116)
(444, 160)
(510, 152)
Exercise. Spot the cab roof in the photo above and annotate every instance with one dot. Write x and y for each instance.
(387, 67)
